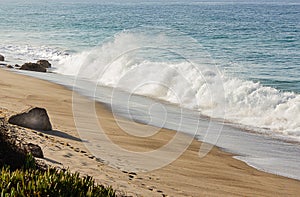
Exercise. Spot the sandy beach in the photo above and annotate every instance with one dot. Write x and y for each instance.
(214, 175)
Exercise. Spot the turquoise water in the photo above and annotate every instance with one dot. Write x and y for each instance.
(257, 41)
(255, 47)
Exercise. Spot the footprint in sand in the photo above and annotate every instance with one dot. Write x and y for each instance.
(130, 178)
(131, 175)
(68, 155)
(151, 188)
(100, 160)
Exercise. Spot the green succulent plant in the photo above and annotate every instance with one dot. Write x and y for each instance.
(30, 181)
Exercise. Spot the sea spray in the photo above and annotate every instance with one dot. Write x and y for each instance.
(247, 103)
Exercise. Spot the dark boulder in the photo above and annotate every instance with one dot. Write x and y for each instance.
(1, 57)
(9, 66)
(44, 63)
(35, 150)
(33, 67)
(36, 118)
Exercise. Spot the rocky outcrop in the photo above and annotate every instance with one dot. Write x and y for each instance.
(39, 66)
(35, 118)
(13, 147)
(44, 63)
(2, 58)
(33, 67)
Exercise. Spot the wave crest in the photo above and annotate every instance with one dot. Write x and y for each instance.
(247, 103)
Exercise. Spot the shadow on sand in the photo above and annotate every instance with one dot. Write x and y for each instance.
(61, 134)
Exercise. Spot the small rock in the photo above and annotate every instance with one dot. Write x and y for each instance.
(35, 150)
(36, 118)
(9, 66)
(33, 67)
(44, 63)
(1, 58)
(17, 66)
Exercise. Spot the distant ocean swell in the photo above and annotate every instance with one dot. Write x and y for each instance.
(248, 104)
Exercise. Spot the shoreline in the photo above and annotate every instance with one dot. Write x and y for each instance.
(217, 173)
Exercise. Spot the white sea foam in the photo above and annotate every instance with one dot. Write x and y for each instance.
(247, 103)
(28, 53)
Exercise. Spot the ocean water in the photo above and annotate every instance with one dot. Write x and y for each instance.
(232, 61)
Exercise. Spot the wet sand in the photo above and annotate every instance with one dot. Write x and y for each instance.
(214, 175)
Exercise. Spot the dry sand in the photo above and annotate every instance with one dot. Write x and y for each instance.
(214, 175)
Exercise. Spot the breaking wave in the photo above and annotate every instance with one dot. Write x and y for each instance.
(130, 62)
